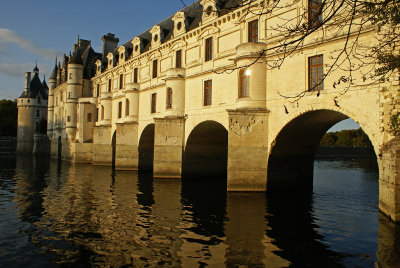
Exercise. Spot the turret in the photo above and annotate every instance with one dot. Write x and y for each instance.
(27, 82)
(74, 91)
(50, 108)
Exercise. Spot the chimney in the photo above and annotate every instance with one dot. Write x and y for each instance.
(27, 81)
(110, 42)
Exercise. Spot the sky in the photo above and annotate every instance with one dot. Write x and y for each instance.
(39, 30)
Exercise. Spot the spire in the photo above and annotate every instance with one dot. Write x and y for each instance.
(53, 75)
(36, 69)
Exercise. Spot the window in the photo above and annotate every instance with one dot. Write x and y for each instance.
(135, 75)
(89, 117)
(314, 13)
(97, 115)
(69, 95)
(253, 31)
(155, 64)
(102, 112)
(316, 73)
(37, 113)
(243, 84)
(120, 109)
(39, 100)
(169, 98)
(68, 118)
(98, 90)
(70, 75)
(209, 49)
(126, 107)
(153, 102)
(207, 92)
(178, 59)
(121, 81)
(109, 85)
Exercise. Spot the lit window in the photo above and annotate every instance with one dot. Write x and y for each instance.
(253, 31)
(153, 102)
(314, 13)
(126, 107)
(316, 73)
(155, 66)
(178, 59)
(120, 109)
(207, 92)
(169, 98)
(243, 84)
(208, 49)
(121, 81)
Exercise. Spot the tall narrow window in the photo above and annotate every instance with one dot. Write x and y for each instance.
(98, 90)
(178, 59)
(121, 81)
(253, 31)
(135, 75)
(120, 109)
(109, 85)
(37, 113)
(155, 66)
(169, 98)
(314, 13)
(126, 107)
(102, 112)
(89, 117)
(153, 102)
(96, 118)
(243, 84)
(209, 49)
(207, 92)
(316, 73)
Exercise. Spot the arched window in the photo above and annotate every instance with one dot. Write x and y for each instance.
(126, 107)
(243, 83)
(169, 98)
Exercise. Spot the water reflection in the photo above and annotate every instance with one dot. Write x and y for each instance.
(66, 214)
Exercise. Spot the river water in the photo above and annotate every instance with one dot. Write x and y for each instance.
(55, 214)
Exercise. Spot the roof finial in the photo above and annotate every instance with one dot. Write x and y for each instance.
(78, 39)
(56, 60)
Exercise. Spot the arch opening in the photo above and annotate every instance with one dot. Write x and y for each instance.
(291, 158)
(206, 152)
(146, 149)
(114, 149)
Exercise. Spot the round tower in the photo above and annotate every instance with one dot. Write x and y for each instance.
(250, 60)
(50, 108)
(74, 87)
(175, 94)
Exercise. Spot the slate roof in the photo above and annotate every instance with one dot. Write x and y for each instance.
(36, 87)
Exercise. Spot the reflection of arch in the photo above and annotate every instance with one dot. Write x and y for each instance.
(114, 148)
(59, 148)
(206, 151)
(291, 157)
(146, 148)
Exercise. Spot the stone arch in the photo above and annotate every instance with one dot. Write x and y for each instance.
(206, 151)
(291, 154)
(146, 148)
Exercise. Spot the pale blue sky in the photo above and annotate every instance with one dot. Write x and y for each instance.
(40, 30)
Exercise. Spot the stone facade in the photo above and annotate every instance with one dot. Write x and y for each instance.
(162, 101)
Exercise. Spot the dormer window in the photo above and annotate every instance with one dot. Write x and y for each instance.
(156, 36)
(110, 58)
(209, 9)
(137, 46)
(180, 23)
(98, 68)
(122, 54)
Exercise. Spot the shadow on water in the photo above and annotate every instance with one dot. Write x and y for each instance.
(291, 224)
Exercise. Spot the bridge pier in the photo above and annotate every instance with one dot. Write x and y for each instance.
(247, 150)
(168, 147)
(389, 180)
(127, 155)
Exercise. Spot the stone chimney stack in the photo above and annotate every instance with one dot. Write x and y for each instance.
(27, 81)
(110, 42)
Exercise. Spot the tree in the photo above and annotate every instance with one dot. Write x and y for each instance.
(8, 118)
(348, 20)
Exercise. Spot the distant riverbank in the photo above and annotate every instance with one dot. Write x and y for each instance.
(344, 152)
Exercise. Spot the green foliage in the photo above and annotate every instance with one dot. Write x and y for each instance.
(394, 125)
(351, 137)
(8, 118)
